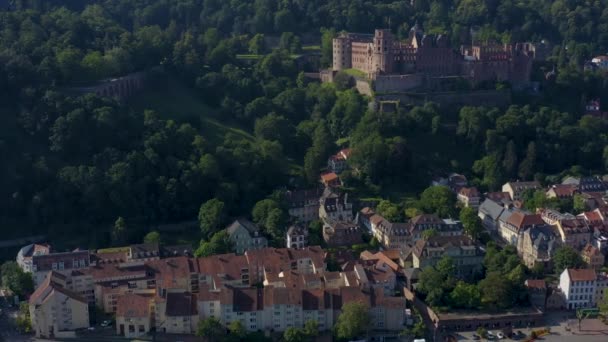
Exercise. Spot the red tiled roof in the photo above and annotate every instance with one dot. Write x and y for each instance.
(329, 177)
(132, 305)
(498, 196)
(593, 216)
(48, 287)
(564, 190)
(469, 192)
(536, 284)
(521, 220)
(581, 274)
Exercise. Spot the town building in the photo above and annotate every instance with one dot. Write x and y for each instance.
(469, 197)
(245, 235)
(341, 233)
(25, 254)
(134, 315)
(593, 257)
(517, 189)
(390, 235)
(337, 162)
(304, 204)
(537, 292)
(466, 254)
(574, 232)
(500, 197)
(591, 184)
(511, 229)
(297, 236)
(562, 191)
(578, 286)
(443, 227)
(537, 246)
(176, 312)
(55, 311)
(454, 181)
(335, 206)
(330, 180)
(62, 263)
(489, 212)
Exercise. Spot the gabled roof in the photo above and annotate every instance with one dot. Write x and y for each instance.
(48, 288)
(536, 284)
(521, 220)
(491, 208)
(499, 196)
(329, 177)
(469, 192)
(132, 305)
(244, 223)
(181, 304)
(581, 274)
(564, 190)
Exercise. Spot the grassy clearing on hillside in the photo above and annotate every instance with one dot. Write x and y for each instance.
(180, 103)
(355, 73)
(310, 48)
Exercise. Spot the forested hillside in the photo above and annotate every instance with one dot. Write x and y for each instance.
(262, 126)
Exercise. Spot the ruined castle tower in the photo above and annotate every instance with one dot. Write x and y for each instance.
(383, 52)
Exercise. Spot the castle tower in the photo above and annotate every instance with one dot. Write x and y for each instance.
(383, 52)
(342, 53)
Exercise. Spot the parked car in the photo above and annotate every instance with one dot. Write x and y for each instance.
(500, 335)
(106, 323)
(490, 335)
(476, 337)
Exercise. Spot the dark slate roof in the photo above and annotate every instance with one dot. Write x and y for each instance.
(180, 304)
(242, 222)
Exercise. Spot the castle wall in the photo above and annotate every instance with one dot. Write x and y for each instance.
(397, 83)
(363, 87)
(489, 98)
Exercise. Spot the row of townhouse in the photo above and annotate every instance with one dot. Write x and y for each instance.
(228, 288)
(257, 309)
(117, 284)
(393, 235)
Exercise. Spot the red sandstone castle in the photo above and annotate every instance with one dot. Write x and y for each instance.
(397, 65)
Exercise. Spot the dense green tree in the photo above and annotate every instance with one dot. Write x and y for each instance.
(471, 222)
(353, 322)
(211, 216)
(495, 293)
(292, 334)
(438, 200)
(257, 44)
(389, 211)
(465, 296)
(237, 330)
(211, 328)
(15, 279)
(119, 231)
(218, 244)
(152, 237)
(311, 328)
(566, 257)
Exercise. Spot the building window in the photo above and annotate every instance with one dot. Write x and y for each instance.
(142, 329)
(54, 266)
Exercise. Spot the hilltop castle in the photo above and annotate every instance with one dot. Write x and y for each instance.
(424, 59)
